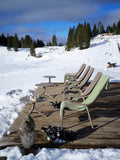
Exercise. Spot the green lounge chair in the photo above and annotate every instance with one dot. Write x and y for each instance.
(80, 106)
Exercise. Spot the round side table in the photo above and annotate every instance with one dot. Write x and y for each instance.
(49, 77)
(27, 99)
(44, 85)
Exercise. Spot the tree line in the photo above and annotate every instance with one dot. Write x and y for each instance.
(54, 42)
(77, 37)
(26, 42)
(14, 42)
(81, 35)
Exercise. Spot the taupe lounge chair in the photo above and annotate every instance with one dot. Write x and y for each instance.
(78, 84)
(73, 76)
(80, 106)
(82, 94)
(79, 80)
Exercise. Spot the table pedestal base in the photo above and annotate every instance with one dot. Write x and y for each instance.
(45, 93)
(34, 108)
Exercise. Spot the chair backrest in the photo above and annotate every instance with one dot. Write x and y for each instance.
(92, 84)
(80, 71)
(74, 76)
(87, 77)
(84, 74)
(97, 89)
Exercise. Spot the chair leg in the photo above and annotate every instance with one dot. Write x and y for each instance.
(61, 117)
(89, 118)
(62, 124)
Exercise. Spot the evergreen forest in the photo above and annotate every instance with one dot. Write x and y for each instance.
(14, 42)
(81, 35)
(77, 37)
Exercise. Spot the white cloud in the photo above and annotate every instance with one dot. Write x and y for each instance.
(38, 10)
(112, 17)
(24, 12)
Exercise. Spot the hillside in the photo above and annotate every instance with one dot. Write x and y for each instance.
(23, 69)
(19, 72)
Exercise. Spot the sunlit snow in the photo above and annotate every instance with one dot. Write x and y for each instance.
(19, 72)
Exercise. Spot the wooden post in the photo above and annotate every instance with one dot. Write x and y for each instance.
(118, 47)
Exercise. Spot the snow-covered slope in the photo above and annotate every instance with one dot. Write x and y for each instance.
(19, 72)
(24, 71)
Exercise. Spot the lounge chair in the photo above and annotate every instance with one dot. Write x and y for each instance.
(73, 76)
(79, 84)
(82, 93)
(76, 81)
(80, 106)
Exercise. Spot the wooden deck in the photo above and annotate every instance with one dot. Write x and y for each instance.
(105, 113)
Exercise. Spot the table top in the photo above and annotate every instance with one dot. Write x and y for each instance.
(44, 84)
(49, 76)
(28, 100)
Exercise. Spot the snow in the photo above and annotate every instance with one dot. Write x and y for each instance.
(14, 153)
(19, 72)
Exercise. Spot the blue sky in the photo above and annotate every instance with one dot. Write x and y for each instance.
(43, 18)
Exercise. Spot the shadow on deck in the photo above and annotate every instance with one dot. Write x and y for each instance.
(105, 114)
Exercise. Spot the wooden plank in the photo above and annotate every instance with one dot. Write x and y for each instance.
(105, 113)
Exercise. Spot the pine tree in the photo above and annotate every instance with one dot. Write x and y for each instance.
(114, 28)
(54, 40)
(95, 31)
(60, 44)
(102, 30)
(99, 27)
(70, 39)
(77, 37)
(87, 32)
(49, 44)
(16, 43)
(3, 40)
(22, 42)
(39, 43)
(32, 50)
(9, 42)
(118, 27)
(68, 45)
(109, 29)
(81, 37)
(27, 41)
